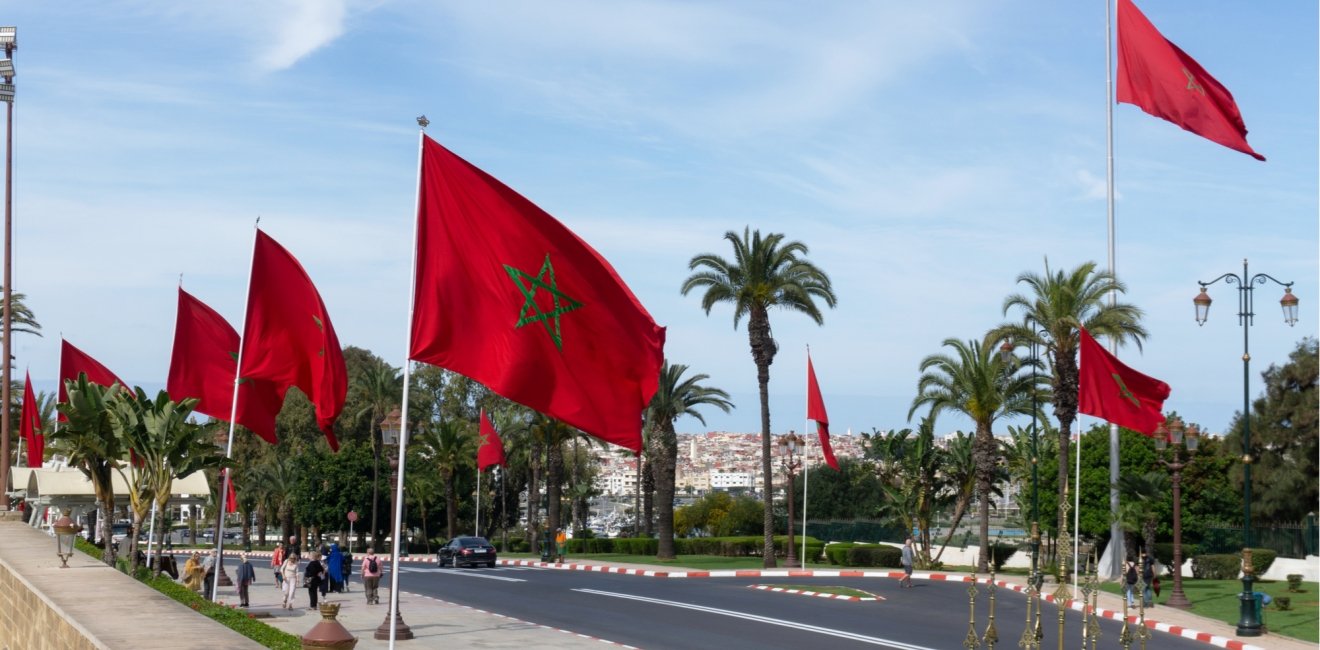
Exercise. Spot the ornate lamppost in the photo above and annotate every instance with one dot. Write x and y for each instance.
(1248, 622)
(1005, 355)
(389, 436)
(1171, 433)
(787, 450)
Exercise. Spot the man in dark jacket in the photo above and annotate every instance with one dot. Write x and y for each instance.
(246, 576)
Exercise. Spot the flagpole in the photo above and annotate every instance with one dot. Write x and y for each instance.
(806, 466)
(477, 528)
(407, 380)
(233, 415)
(1077, 505)
(1115, 529)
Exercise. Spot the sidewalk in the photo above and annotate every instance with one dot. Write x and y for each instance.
(434, 623)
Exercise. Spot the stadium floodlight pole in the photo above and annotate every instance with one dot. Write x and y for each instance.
(1248, 621)
(9, 38)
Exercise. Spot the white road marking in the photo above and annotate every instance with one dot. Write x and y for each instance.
(461, 572)
(888, 643)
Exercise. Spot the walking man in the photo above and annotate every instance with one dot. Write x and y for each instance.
(907, 564)
(246, 576)
(208, 566)
(371, 576)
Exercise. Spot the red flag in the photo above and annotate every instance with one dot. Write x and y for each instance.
(288, 338)
(74, 362)
(30, 426)
(204, 364)
(1112, 391)
(1161, 79)
(509, 297)
(491, 451)
(231, 497)
(816, 411)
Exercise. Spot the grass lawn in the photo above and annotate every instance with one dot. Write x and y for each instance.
(1218, 599)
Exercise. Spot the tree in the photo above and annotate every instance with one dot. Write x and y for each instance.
(1143, 495)
(959, 470)
(978, 383)
(449, 446)
(379, 388)
(1285, 445)
(88, 440)
(908, 467)
(765, 273)
(674, 397)
(1059, 304)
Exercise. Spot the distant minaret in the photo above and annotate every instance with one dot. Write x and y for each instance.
(692, 449)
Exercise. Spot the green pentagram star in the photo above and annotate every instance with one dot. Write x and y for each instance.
(531, 312)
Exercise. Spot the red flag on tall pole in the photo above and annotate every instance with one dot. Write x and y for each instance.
(204, 364)
(288, 338)
(509, 297)
(30, 426)
(816, 411)
(491, 451)
(1108, 389)
(74, 362)
(231, 497)
(1161, 79)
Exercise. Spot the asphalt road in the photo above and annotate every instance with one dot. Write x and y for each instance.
(682, 613)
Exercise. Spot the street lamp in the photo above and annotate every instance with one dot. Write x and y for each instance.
(65, 531)
(389, 437)
(9, 39)
(787, 450)
(1172, 433)
(1248, 622)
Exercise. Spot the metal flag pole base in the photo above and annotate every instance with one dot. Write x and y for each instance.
(222, 577)
(401, 630)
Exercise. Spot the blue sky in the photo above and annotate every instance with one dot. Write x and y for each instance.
(927, 153)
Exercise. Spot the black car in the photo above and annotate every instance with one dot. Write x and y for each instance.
(466, 551)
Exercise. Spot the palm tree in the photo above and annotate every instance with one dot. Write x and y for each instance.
(88, 440)
(23, 320)
(1143, 497)
(675, 396)
(978, 383)
(958, 465)
(380, 387)
(1061, 302)
(450, 445)
(764, 273)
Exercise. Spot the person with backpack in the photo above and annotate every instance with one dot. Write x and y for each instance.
(371, 576)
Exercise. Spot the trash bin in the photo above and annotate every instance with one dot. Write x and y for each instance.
(548, 546)
(1262, 599)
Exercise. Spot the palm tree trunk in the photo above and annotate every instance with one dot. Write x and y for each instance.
(665, 448)
(533, 497)
(375, 489)
(959, 509)
(985, 472)
(554, 478)
(261, 524)
(648, 496)
(451, 503)
(763, 353)
(1065, 408)
(637, 499)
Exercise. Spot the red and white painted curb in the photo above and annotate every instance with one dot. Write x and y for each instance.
(520, 621)
(817, 594)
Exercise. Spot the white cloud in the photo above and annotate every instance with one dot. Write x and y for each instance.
(299, 28)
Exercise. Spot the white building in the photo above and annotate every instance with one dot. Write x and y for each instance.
(722, 480)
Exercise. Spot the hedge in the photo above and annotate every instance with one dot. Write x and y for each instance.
(999, 554)
(1216, 566)
(864, 555)
(1164, 552)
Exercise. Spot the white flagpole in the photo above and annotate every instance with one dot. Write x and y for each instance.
(233, 414)
(1077, 504)
(1115, 529)
(477, 530)
(806, 466)
(151, 532)
(407, 380)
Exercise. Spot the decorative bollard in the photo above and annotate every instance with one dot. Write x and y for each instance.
(328, 632)
(972, 641)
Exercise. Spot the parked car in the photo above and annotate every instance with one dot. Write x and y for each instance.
(466, 551)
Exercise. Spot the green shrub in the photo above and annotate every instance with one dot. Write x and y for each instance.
(999, 554)
(1261, 560)
(636, 545)
(1164, 552)
(1216, 566)
(235, 619)
(1283, 603)
(1294, 582)
(874, 555)
(837, 552)
(584, 533)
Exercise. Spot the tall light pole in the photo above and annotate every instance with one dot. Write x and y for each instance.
(787, 450)
(1248, 622)
(1006, 354)
(8, 38)
(389, 435)
(1164, 436)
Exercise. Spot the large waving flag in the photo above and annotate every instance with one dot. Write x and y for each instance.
(1161, 79)
(30, 426)
(287, 337)
(509, 297)
(1114, 392)
(491, 451)
(74, 362)
(816, 411)
(204, 364)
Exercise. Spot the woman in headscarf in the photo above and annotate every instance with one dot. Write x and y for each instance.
(334, 565)
(193, 573)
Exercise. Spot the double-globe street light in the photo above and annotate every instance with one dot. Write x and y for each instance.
(1171, 432)
(787, 450)
(1248, 621)
(389, 437)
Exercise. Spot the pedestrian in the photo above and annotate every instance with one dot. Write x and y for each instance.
(245, 577)
(347, 564)
(193, 573)
(1130, 581)
(334, 565)
(371, 576)
(289, 578)
(1148, 576)
(561, 542)
(906, 560)
(276, 560)
(314, 578)
(208, 581)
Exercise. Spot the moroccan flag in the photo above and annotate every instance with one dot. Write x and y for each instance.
(509, 297)
(491, 451)
(231, 497)
(30, 426)
(1114, 392)
(74, 362)
(288, 339)
(204, 364)
(816, 411)
(1161, 79)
